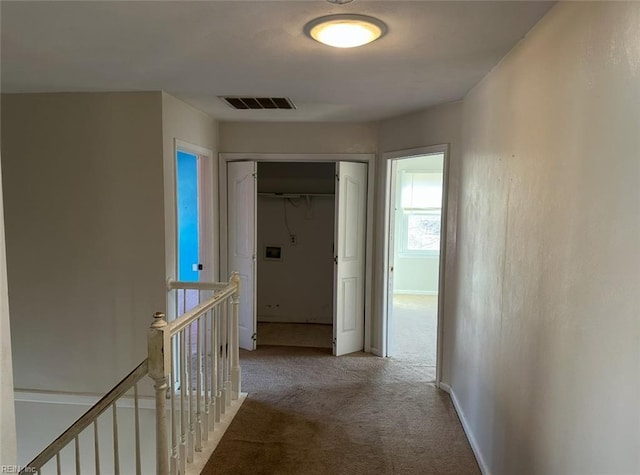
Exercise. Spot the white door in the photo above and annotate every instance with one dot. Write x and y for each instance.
(241, 252)
(392, 170)
(351, 206)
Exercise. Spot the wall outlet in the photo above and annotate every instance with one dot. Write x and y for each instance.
(294, 239)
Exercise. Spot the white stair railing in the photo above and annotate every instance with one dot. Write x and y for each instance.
(194, 363)
(195, 359)
(45, 460)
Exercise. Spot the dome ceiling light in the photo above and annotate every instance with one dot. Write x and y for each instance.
(345, 31)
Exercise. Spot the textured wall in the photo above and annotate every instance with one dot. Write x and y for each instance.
(546, 362)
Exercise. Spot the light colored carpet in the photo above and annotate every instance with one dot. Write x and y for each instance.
(295, 334)
(414, 325)
(309, 412)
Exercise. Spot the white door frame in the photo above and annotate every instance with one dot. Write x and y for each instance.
(209, 219)
(388, 157)
(368, 158)
(207, 215)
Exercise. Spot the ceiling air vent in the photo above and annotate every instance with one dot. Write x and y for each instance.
(257, 103)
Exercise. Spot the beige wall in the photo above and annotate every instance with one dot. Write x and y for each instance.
(83, 189)
(182, 122)
(302, 137)
(434, 126)
(546, 362)
(299, 287)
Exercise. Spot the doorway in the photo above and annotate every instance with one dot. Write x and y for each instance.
(194, 222)
(295, 234)
(351, 253)
(415, 232)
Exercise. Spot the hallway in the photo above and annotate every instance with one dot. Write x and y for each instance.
(311, 413)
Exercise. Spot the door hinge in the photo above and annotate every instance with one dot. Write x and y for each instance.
(335, 259)
(254, 337)
(254, 175)
(337, 177)
(334, 342)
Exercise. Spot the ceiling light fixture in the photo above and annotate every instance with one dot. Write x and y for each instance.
(345, 31)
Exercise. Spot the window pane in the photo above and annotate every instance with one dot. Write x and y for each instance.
(423, 232)
(421, 190)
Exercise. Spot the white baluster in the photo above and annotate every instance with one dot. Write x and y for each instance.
(173, 462)
(235, 340)
(218, 355)
(183, 413)
(223, 356)
(198, 447)
(116, 448)
(191, 415)
(215, 399)
(205, 353)
(227, 383)
(96, 446)
(137, 428)
(77, 444)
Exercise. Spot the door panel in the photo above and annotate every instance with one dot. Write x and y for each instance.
(241, 220)
(351, 193)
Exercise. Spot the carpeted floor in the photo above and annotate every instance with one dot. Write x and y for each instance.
(295, 334)
(413, 332)
(309, 412)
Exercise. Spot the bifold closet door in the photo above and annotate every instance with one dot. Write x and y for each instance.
(350, 239)
(241, 242)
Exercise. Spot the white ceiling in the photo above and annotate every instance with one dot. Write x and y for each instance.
(433, 53)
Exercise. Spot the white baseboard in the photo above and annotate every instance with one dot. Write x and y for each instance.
(467, 430)
(272, 319)
(416, 292)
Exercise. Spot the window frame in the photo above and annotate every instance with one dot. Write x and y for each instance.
(402, 241)
(403, 250)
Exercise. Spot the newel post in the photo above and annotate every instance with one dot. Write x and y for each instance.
(159, 365)
(235, 341)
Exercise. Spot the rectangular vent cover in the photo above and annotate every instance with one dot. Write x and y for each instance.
(256, 103)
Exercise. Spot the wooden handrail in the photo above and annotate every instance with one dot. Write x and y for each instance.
(88, 417)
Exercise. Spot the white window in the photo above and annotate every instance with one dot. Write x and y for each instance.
(421, 216)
